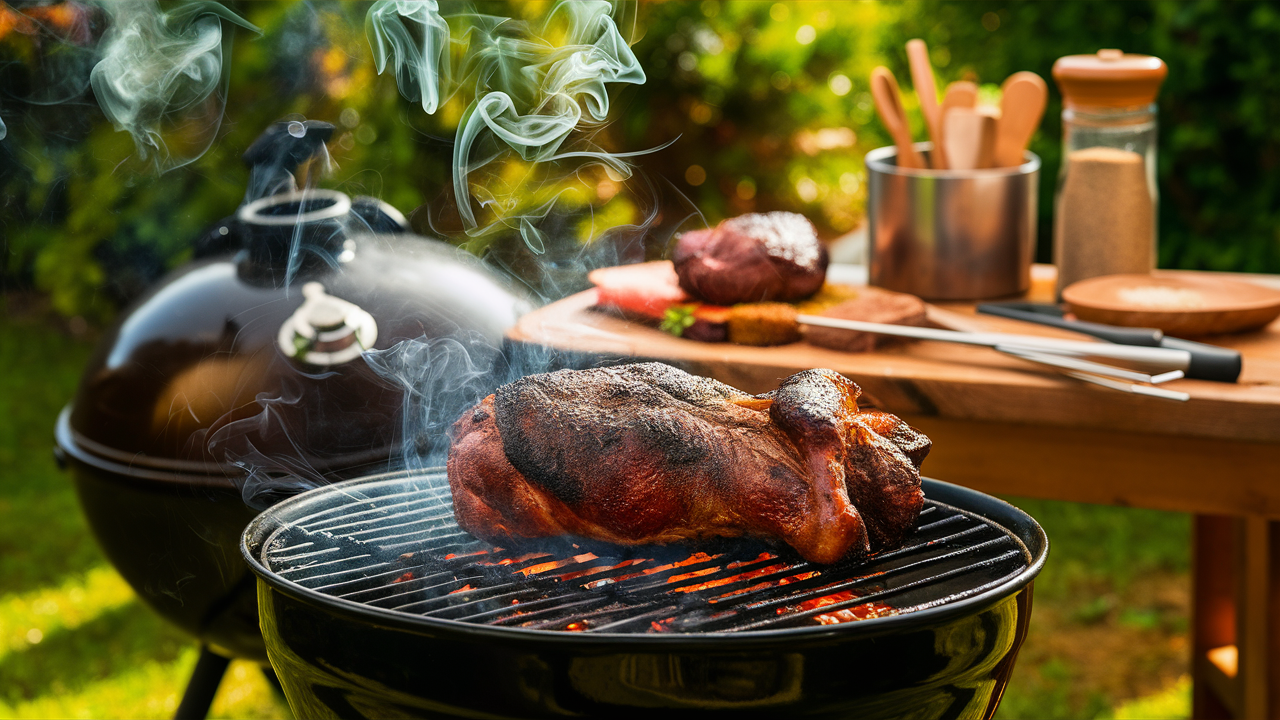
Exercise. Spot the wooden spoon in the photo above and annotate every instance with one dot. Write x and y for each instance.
(884, 89)
(927, 91)
(971, 137)
(1021, 107)
(961, 93)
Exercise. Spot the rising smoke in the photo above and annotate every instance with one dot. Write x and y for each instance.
(528, 176)
(161, 77)
(419, 64)
(536, 91)
(440, 377)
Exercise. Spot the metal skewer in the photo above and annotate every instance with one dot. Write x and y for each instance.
(1070, 363)
(1126, 387)
(1155, 360)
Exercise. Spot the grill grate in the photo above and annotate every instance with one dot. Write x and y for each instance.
(395, 545)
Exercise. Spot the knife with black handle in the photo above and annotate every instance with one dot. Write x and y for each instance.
(1208, 362)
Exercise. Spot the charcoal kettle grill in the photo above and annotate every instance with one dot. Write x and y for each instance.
(374, 603)
(238, 380)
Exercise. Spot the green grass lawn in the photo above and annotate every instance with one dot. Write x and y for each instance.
(74, 639)
(1108, 636)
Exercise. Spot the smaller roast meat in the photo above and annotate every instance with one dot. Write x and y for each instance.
(646, 453)
(752, 258)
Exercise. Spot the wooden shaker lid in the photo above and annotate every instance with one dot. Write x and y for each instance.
(1109, 79)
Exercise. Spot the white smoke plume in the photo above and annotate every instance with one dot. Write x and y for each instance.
(161, 77)
(441, 377)
(535, 92)
(419, 63)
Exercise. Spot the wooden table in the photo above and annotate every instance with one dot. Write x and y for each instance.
(1001, 425)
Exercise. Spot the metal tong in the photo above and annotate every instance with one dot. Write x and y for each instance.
(1070, 356)
(1208, 362)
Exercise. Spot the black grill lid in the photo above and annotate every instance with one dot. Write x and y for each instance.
(253, 350)
(204, 350)
(389, 546)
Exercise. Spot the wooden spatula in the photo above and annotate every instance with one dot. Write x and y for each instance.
(927, 91)
(961, 93)
(971, 137)
(1021, 107)
(884, 89)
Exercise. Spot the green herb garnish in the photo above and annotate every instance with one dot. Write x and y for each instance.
(677, 319)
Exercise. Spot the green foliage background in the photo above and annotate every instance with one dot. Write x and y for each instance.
(743, 86)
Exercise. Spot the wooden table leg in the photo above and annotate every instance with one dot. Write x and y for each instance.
(1235, 642)
(1213, 616)
(1253, 601)
(1273, 618)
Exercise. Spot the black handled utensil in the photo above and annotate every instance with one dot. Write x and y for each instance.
(1208, 362)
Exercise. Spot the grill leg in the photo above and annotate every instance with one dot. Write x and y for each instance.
(203, 685)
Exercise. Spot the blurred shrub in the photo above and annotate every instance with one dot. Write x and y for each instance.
(767, 104)
(769, 101)
(83, 221)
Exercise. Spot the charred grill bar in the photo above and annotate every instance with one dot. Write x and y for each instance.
(408, 555)
(372, 594)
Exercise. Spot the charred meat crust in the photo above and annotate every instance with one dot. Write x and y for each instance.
(646, 453)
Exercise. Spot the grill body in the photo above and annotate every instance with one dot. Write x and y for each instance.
(358, 656)
(173, 537)
(197, 352)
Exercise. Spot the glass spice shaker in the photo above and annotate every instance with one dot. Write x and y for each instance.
(1105, 208)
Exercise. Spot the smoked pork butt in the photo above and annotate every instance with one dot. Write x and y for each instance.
(645, 453)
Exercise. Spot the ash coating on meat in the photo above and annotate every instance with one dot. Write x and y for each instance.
(812, 398)
(913, 443)
(880, 453)
(523, 408)
(785, 235)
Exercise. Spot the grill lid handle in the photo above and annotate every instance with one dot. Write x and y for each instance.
(274, 158)
(326, 330)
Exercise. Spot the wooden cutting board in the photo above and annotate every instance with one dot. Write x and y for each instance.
(943, 379)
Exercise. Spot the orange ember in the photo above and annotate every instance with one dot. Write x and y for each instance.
(863, 611)
(513, 560)
(661, 625)
(857, 612)
(735, 578)
(403, 578)
(451, 556)
(592, 571)
(761, 586)
(825, 600)
(797, 578)
(543, 567)
(695, 558)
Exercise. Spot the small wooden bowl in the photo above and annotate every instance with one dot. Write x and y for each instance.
(1180, 305)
